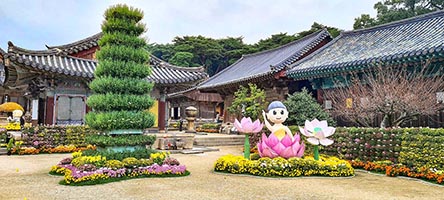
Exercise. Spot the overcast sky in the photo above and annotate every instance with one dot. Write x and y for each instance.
(33, 23)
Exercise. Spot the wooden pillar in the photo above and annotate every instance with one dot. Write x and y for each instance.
(161, 113)
(49, 119)
(320, 96)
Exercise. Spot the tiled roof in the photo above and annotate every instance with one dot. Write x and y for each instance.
(421, 36)
(265, 63)
(2, 52)
(56, 61)
(80, 45)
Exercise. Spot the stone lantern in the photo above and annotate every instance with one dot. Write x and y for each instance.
(191, 113)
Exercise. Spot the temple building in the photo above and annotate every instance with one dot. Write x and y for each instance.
(266, 69)
(409, 42)
(53, 84)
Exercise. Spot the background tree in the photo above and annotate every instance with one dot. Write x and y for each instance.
(393, 10)
(397, 94)
(121, 95)
(248, 101)
(217, 54)
(183, 59)
(302, 106)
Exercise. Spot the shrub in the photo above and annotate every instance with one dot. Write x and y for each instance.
(97, 161)
(114, 164)
(130, 162)
(250, 100)
(302, 106)
(121, 56)
(159, 157)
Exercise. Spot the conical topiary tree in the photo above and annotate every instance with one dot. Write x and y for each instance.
(121, 95)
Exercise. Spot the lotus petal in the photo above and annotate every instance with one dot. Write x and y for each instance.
(313, 141)
(304, 132)
(257, 126)
(268, 152)
(326, 141)
(286, 141)
(329, 131)
(260, 148)
(309, 126)
(278, 148)
(238, 125)
(322, 124)
(300, 153)
(272, 140)
(297, 138)
(288, 153)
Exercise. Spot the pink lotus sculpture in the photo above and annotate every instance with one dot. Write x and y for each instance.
(247, 127)
(317, 133)
(272, 147)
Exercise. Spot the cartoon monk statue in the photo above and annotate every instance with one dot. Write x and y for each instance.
(277, 114)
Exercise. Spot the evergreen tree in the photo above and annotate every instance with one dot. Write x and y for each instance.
(121, 95)
(302, 106)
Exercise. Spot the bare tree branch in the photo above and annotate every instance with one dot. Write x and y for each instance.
(398, 93)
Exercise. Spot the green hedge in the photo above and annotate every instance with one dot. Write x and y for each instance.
(114, 155)
(120, 140)
(118, 102)
(52, 136)
(120, 120)
(423, 147)
(413, 147)
(121, 86)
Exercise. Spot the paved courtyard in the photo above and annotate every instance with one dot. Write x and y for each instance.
(26, 177)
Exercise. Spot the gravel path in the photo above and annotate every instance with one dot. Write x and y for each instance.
(27, 177)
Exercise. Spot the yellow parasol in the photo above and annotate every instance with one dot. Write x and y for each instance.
(11, 106)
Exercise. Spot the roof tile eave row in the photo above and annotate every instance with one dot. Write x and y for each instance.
(325, 70)
(51, 61)
(314, 39)
(424, 37)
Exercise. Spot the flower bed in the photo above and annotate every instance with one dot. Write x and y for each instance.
(280, 167)
(413, 147)
(393, 170)
(57, 149)
(52, 136)
(91, 170)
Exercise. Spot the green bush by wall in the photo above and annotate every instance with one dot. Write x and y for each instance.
(413, 147)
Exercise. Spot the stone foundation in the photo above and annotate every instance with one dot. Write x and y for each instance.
(188, 140)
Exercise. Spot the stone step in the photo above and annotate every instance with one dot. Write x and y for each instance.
(3, 151)
(219, 140)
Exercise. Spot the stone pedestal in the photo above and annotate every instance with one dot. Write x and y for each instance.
(191, 113)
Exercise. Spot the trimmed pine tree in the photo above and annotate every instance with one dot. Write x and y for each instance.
(121, 95)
